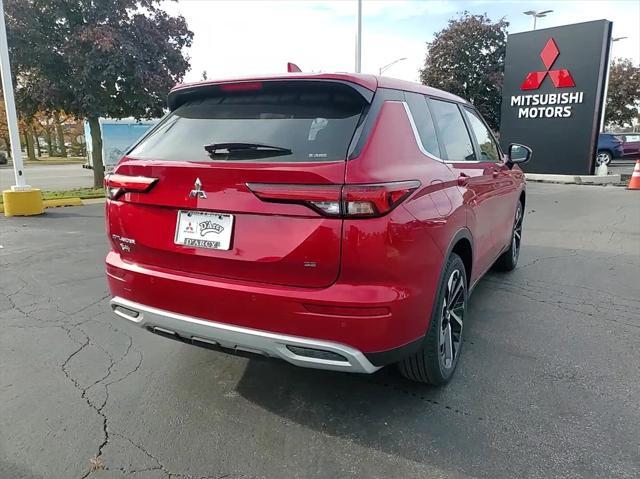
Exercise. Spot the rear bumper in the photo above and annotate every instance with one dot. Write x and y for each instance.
(299, 351)
(371, 319)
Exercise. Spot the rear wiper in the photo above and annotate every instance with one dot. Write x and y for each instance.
(214, 148)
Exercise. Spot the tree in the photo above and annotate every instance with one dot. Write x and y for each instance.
(467, 59)
(113, 58)
(4, 128)
(45, 125)
(62, 148)
(623, 95)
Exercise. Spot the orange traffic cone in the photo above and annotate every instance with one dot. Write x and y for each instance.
(634, 182)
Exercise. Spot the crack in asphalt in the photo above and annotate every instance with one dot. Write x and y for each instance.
(527, 290)
(69, 329)
(46, 303)
(162, 467)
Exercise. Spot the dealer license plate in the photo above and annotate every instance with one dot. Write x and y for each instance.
(200, 229)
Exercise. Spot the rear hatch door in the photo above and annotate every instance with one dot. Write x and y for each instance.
(201, 216)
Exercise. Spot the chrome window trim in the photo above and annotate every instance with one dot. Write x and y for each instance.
(416, 135)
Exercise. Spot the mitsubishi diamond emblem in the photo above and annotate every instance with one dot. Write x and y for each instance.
(197, 192)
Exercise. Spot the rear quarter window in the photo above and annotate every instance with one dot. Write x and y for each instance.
(314, 120)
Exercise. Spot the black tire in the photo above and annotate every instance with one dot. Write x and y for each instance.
(436, 360)
(603, 157)
(509, 259)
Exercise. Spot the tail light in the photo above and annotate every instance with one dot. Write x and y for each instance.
(116, 185)
(341, 201)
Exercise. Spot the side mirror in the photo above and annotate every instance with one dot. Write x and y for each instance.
(518, 154)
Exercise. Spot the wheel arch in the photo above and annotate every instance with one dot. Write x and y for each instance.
(462, 245)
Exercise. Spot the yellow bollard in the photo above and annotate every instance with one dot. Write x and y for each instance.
(22, 202)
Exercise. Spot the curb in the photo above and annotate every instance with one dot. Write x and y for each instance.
(575, 179)
(93, 201)
(56, 203)
(62, 202)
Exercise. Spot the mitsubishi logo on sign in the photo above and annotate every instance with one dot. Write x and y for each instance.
(547, 105)
(560, 78)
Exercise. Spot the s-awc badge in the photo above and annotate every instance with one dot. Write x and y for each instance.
(203, 229)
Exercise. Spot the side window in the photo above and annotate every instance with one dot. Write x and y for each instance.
(454, 136)
(488, 148)
(424, 122)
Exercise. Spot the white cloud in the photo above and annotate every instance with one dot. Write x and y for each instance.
(248, 37)
(245, 37)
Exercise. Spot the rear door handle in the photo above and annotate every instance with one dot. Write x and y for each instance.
(463, 179)
(496, 173)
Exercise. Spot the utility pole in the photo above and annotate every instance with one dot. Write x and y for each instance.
(359, 39)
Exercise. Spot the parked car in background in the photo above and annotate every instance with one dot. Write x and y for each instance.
(335, 221)
(630, 146)
(609, 148)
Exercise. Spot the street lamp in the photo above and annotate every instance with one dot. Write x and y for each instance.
(537, 15)
(386, 67)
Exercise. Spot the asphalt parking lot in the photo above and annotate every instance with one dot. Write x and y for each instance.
(548, 384)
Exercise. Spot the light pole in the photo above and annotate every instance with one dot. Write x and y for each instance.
(381, 70)
(606, 81)
(537, 15)
(359, 39)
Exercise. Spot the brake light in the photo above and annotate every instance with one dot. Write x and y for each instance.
(375, 200)
(116, 185)
(325, 199)
(347, 201)
(242, 86)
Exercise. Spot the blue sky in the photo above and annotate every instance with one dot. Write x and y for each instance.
(245, 37)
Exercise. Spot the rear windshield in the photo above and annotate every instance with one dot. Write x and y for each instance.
(271, 121)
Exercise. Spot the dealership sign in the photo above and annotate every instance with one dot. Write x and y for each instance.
(553, 92)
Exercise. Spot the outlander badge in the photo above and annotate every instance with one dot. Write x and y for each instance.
(197, 192)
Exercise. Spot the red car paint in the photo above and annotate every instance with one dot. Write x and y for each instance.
(367, 282)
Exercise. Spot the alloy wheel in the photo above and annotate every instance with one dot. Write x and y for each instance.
(453, 308)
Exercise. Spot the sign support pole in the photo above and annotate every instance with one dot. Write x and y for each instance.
(21, 199)
(12, 117)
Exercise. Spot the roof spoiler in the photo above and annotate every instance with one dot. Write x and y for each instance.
(181, 94)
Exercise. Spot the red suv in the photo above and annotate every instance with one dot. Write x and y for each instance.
(335, 221)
